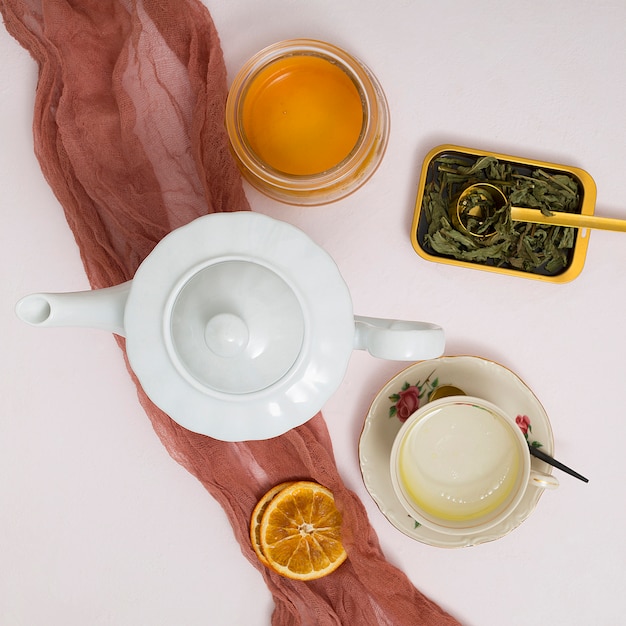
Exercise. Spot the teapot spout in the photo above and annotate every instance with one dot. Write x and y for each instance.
(397, 340)
(97, 308)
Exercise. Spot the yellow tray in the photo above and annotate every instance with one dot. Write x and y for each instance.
(586, 206)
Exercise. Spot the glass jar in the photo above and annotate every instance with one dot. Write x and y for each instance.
(308, 123)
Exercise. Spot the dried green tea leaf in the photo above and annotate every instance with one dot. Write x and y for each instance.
(535, 248)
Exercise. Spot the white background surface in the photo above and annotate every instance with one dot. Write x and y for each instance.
(99, 526)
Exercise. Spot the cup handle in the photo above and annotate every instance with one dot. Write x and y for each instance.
(542, 481)
(396, 340)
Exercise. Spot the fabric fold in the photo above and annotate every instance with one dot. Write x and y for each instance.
(128, 130)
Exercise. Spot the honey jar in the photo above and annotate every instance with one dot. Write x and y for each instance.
(308, 123)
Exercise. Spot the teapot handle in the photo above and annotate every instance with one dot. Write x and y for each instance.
(398, 340)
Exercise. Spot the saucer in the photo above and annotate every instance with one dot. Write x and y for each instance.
(477, 377)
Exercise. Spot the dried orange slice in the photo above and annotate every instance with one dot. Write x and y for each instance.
(257, 516)
(300, 532)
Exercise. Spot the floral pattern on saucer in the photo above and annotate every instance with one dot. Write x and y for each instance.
(523, 421)
(477, 377)
(410, 397)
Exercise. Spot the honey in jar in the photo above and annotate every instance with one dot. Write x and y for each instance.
(302, 115)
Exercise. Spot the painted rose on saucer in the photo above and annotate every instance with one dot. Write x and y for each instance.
(411, 397)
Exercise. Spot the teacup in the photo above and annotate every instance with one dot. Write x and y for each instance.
(461, 465)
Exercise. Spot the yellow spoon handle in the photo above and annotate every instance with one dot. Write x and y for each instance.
(572, 220)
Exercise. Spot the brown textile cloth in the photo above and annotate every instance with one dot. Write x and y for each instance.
(128, 129)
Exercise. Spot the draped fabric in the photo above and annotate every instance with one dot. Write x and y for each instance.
(128, 129)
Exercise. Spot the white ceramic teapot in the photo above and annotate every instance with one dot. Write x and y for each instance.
(237, 325)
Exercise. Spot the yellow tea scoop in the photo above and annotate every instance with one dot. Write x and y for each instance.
(481, 201)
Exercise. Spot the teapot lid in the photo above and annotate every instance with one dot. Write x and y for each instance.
(239, 326)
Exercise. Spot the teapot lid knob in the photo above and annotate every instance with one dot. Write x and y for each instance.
(226, 335)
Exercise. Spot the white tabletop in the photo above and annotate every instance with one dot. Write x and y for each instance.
(99, 526)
